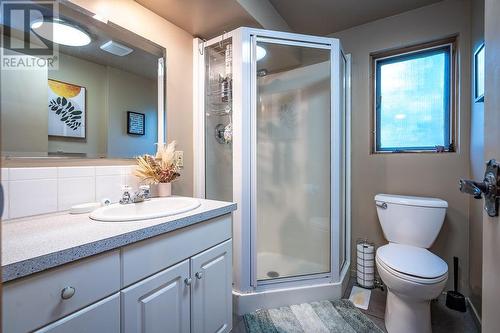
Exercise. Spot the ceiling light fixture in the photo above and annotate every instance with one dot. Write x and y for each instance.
(261, 52)
(60, 32)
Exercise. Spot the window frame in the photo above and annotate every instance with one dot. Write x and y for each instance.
(398, 54)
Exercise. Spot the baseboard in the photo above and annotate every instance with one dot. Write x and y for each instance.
(475, 315)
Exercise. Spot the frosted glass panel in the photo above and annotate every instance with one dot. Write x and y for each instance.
(293, 162)
(218, 121)
(413, 101)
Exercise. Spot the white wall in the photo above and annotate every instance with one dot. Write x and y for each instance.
(52, 189)
(433, 175)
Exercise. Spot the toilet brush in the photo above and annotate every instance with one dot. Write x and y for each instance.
(454, 299)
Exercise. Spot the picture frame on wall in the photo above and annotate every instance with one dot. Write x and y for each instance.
(479, 74)
(136, 123)
(67, 114)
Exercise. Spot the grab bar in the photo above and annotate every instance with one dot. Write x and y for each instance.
(382, 205)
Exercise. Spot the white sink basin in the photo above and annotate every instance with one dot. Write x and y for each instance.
(150, 209)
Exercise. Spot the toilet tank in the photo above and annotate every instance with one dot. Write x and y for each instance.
(410, 220)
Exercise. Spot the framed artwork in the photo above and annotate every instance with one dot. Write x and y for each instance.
(479, 74)
(67, 110)
(136, 123)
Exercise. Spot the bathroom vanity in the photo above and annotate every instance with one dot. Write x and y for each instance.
(69, 273)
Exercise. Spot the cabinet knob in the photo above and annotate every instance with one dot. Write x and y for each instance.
(188, 281)
(199, 275)
(67, 292)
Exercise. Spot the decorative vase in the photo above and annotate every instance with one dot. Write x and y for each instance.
(162, 190)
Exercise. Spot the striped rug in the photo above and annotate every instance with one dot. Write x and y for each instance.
(315, 317)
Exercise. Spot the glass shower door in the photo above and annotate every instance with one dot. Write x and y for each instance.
(291, 159)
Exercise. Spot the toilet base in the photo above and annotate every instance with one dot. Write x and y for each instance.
(406, 315)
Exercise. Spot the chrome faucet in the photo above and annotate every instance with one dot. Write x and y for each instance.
(128, 197)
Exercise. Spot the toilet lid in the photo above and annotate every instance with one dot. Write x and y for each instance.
(412, 260)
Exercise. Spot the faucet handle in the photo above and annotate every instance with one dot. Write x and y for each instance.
(126, 195)
(146, 191)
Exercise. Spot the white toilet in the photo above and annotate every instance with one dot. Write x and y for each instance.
(412, 274)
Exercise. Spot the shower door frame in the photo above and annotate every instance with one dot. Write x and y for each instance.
(243, 149)
(333, 46)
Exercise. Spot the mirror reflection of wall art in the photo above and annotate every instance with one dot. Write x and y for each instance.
(66, 110)
(479, 74)
(136, 123)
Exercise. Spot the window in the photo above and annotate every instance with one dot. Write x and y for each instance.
(413, 98)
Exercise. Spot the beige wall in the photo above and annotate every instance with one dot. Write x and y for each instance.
(92, 76)
(178, 43)
(477, 168)
(130, 92)
(428, 174)
(24, 124)
(110, 93)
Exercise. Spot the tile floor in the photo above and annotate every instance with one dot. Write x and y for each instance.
(443, 319)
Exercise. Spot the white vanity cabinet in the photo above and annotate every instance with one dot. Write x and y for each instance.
(42, 298)
(177, 282)
(211, 290)
(159, 303)
(192, 296)
(103, 316)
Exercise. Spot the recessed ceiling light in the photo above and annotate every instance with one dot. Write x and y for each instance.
(261, 52)
(60, 32)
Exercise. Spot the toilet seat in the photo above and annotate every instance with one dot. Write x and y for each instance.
(412, 263)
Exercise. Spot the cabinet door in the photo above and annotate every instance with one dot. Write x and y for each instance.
(211, 298)
(103, 316)
(159, 303)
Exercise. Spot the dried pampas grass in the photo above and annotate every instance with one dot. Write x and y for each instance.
(161, 168)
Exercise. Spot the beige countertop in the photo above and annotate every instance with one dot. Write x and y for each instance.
(34, 244)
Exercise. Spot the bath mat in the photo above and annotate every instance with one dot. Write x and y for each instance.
(315, 317)
(360, 297)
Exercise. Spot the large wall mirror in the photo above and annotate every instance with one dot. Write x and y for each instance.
(104, 99)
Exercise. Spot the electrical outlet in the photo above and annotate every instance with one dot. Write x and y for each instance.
(179, 157)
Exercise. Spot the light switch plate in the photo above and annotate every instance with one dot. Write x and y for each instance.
(179, 157)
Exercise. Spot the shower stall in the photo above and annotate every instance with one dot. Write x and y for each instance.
(272, 134)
